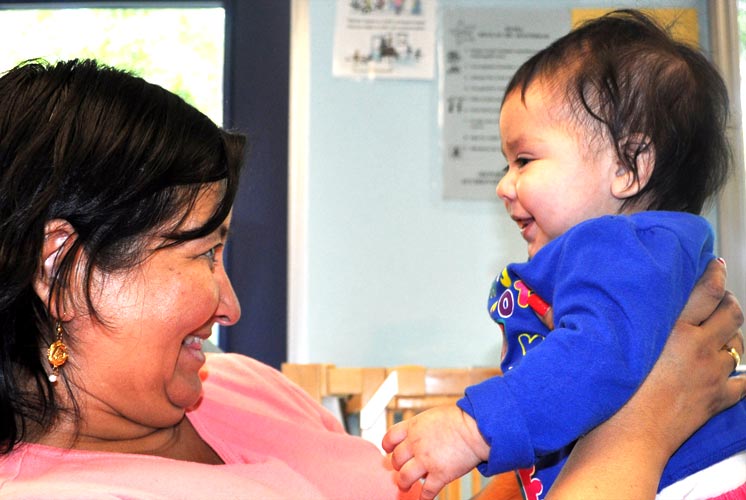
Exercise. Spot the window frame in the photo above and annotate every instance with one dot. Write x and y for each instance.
(731, 204)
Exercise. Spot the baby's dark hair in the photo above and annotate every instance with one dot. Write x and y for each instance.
(625, 77)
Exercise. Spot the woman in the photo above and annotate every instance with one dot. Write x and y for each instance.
(119, 195)
(115, 203)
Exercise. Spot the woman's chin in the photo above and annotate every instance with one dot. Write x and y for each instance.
(185, 395)
(185, 388)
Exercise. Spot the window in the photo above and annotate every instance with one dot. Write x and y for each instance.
(181, 49)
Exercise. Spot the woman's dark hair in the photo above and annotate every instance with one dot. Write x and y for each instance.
(625, 77)
(120, 160)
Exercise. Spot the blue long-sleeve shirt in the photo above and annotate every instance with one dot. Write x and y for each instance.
(616, 285)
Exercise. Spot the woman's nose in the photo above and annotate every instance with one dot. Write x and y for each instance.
(229, 309)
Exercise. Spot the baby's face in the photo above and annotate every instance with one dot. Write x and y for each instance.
(553, 180)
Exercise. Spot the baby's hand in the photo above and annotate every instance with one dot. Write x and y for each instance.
(439, 445)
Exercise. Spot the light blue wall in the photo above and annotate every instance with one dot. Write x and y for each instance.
(396, 274)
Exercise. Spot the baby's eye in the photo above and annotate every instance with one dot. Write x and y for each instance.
(522, 162)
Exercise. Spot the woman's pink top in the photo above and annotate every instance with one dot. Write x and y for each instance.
(276, 442)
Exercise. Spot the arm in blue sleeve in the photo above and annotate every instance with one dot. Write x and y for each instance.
(618, 291)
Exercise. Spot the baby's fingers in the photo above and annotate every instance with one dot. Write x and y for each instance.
(400, 456)
(395, 435)
(431, 487)
(410, 472)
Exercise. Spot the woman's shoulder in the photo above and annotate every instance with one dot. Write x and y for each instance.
(235, 382)
(40, 472)
(236, 366)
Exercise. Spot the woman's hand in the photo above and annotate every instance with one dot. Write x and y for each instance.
(688, 384)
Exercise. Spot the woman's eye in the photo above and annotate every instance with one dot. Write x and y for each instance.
(212, 254)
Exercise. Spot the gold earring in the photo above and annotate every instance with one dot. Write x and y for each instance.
(57, 353)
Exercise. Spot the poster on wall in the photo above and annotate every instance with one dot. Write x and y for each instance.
(481, 49)
(392, 39)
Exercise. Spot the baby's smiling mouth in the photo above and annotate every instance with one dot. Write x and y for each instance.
(523, 223)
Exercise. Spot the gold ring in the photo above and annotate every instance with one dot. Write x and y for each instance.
(733, 354)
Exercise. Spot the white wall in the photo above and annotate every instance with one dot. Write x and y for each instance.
(384, 271)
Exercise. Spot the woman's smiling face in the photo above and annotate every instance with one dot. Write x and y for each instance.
(142, 361)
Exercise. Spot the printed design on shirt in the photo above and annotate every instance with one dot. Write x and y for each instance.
(526, 339)
(532, 486)
(527, 298)
(518, 310)
(504, 279)
(504, 306)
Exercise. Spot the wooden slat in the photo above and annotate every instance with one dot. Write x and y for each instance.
(411, 380)
(452, 491)
(344, 381)
(455, 380)
(311, 377)
(481, 374)
(476, 482)
(372, 380)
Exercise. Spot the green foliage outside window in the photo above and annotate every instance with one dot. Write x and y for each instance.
(179, 49)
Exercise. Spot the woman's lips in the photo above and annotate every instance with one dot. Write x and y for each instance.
(193, 344)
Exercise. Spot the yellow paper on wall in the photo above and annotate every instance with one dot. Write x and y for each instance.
(683, 23)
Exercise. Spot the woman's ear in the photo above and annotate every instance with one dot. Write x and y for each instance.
(58, 237)
(625, 184)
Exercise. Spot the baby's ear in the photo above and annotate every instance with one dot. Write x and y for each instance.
(58, 237)
(641, 150)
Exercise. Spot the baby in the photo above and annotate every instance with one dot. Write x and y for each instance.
(615, 137)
